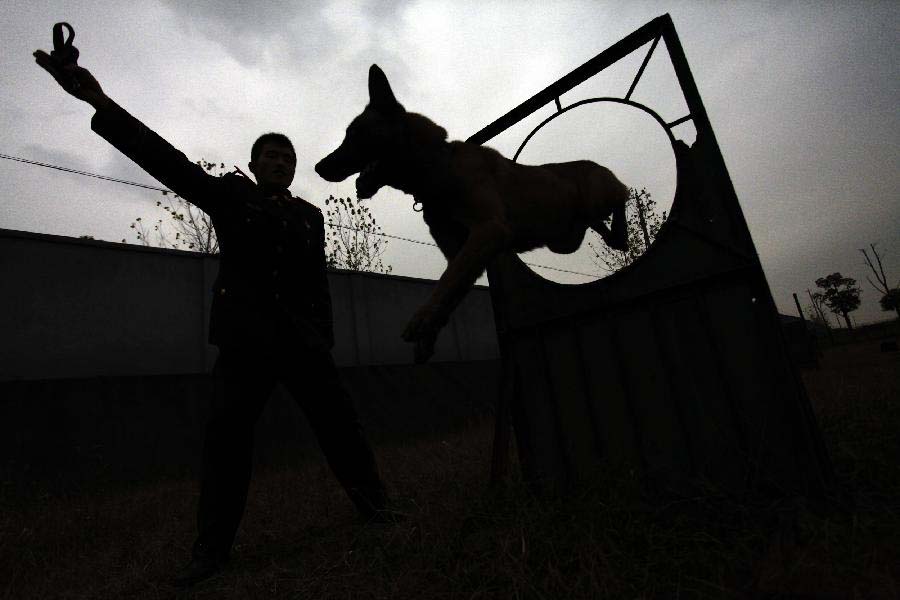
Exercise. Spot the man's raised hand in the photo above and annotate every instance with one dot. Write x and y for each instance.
(76, 80)
(62, 64)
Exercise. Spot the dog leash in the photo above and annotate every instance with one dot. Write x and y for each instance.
(63, 50)
(64, 53)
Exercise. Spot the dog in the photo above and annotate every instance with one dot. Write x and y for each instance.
(476, 203)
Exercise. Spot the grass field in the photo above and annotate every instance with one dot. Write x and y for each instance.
(301, 539)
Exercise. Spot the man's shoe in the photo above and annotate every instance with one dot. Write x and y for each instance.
(200, 568)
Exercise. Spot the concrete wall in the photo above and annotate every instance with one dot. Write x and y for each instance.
(80, 308)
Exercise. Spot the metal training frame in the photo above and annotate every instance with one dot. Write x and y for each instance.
(675, 366)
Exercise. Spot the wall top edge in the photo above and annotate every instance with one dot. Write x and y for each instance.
(126, 247)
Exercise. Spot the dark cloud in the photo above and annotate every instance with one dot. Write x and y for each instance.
(254, 32)
(251, 31)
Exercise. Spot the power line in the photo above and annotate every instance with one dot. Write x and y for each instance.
(168, 191)
(594, 275)
(396, 237)
(85, 173)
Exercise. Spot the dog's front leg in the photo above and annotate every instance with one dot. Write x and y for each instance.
(485, 241)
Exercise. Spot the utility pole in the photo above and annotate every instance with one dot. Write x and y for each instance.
(799, 310)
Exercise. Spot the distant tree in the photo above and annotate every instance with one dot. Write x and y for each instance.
(85, 237)
(816, 312)
(840, 295)
(890, 296)
(891, 301)
(642, 225)
(353, 240)
(186, 226)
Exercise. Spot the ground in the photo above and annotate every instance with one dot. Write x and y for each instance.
(300, 538)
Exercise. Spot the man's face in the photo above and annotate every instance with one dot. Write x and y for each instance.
(274, 167)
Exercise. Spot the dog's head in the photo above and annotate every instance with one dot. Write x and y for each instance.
(372, 136)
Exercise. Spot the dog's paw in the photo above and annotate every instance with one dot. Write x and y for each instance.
(422, 330)
(424, 349)
(426, 322)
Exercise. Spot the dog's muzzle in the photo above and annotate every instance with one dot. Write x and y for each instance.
(367, 184)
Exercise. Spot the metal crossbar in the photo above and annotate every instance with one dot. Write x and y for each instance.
(611, 55)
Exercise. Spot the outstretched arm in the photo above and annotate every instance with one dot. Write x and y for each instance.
(151, 152)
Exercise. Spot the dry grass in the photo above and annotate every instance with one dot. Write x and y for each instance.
(301, 539)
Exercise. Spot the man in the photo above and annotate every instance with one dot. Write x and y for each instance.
(271, 316)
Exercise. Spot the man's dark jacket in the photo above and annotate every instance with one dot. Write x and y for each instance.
(272, 286)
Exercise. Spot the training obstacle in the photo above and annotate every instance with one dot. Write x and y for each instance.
(674, 366)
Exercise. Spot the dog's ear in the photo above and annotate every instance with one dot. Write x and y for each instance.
(380, 94)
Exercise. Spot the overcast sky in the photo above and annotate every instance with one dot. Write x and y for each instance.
(802, 97)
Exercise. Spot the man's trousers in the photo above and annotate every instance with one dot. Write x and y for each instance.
(244, 379)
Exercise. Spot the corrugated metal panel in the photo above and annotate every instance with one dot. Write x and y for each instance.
(572, 400)
(538, 421)
(663, 442)
(618, 433)
(702, 391)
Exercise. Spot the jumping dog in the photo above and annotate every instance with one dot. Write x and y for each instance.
(476, 203)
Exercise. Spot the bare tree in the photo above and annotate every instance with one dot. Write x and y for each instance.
(354, 241)
(642, 225)
(890, 299)
(816, 313)
(187, 227)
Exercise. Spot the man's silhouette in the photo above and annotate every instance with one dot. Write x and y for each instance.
(271, 315)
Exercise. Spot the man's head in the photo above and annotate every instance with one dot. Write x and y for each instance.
(273, 160)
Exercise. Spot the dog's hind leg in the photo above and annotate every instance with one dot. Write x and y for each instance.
(616, 235)
(607, 196)
(618, 228)
(609, 237)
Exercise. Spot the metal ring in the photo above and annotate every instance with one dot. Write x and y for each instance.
(631, 103)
